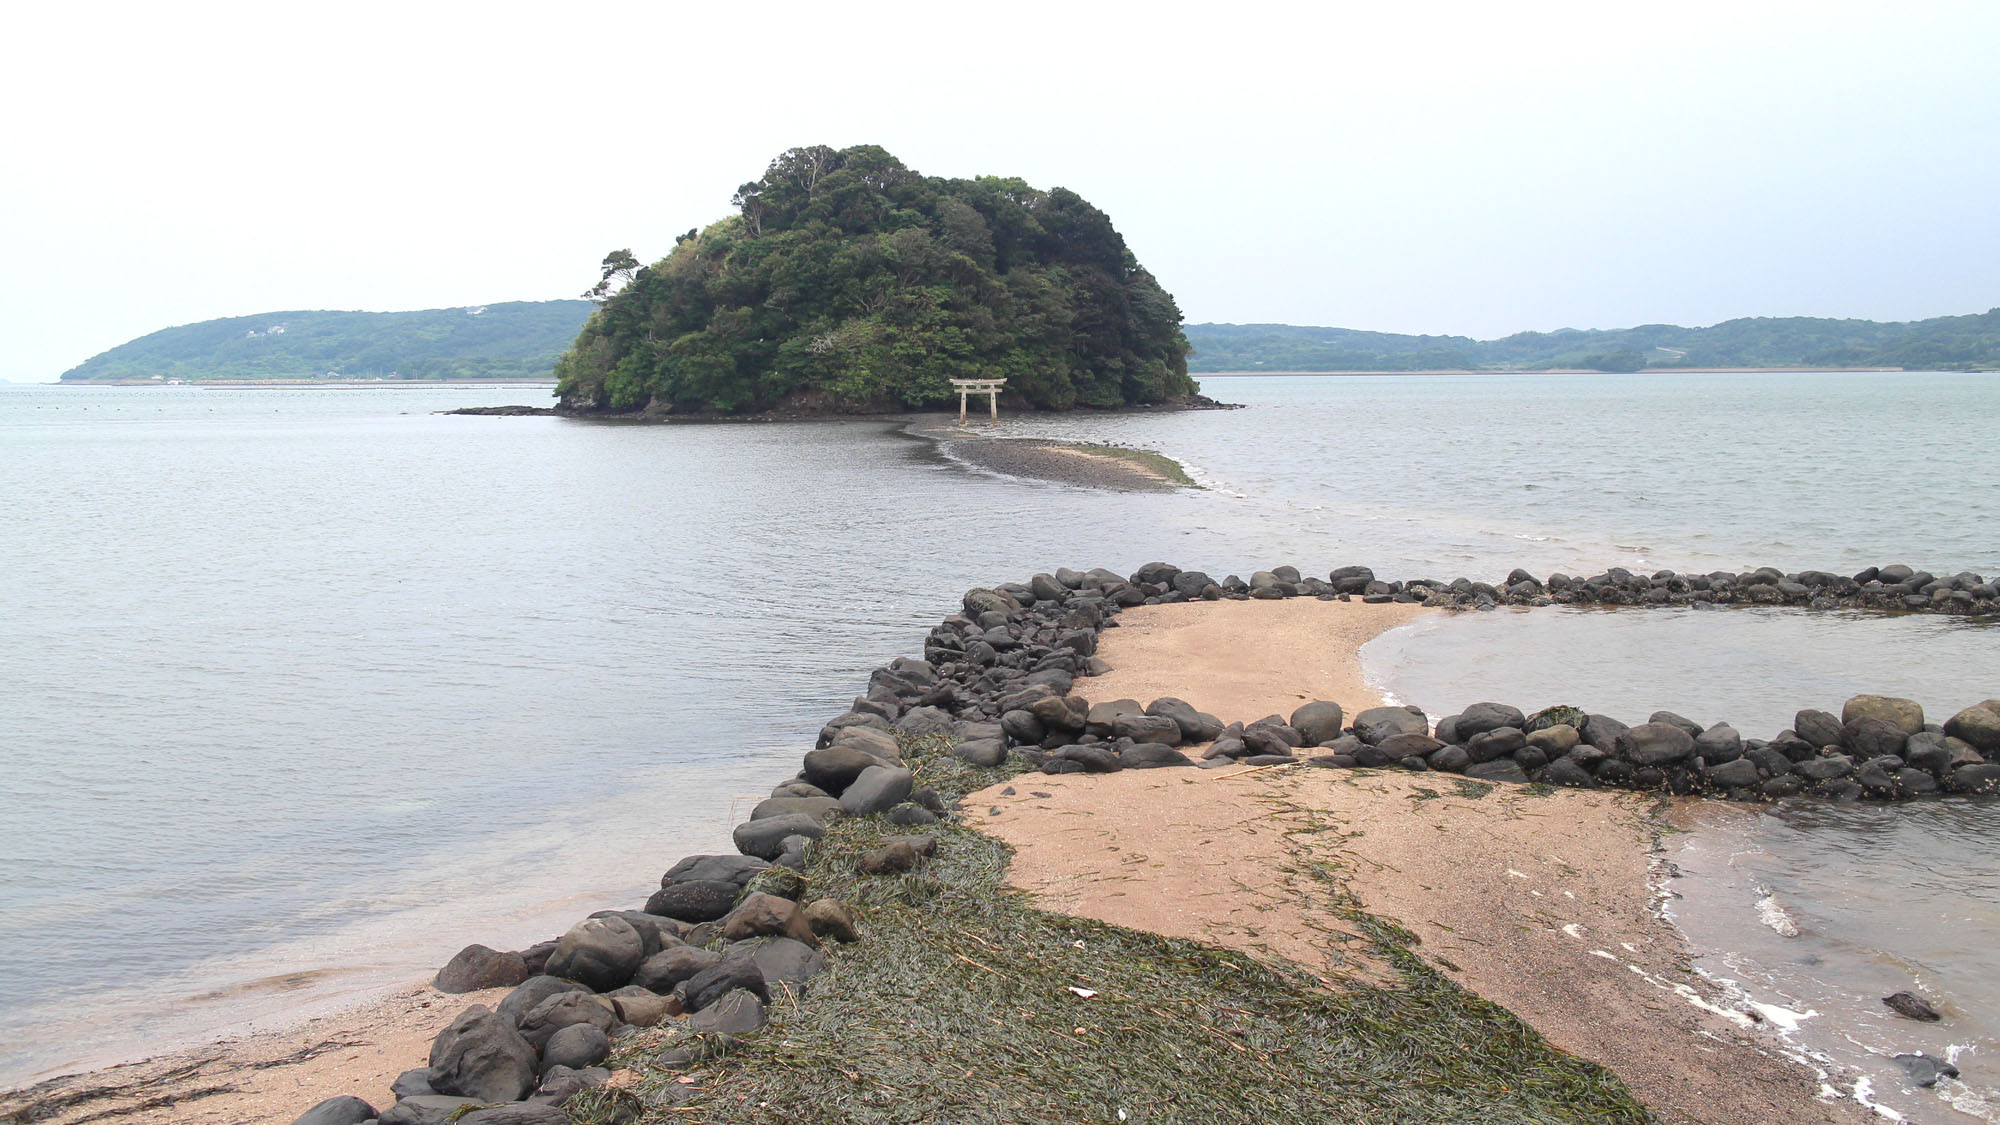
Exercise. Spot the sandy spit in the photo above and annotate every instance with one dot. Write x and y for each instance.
(1545, 904)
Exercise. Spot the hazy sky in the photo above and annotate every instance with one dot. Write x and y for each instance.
(1415, 168)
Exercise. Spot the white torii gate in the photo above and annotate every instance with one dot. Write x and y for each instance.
(988, 387)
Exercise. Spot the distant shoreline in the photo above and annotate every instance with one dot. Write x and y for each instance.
(291, 384)
(1573, 371)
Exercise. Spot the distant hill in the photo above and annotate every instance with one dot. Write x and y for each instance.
(1941, 343)
(510, 340)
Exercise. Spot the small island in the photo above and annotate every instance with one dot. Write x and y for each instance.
(847, 283)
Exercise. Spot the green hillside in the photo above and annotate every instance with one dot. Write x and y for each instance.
(848, 282)
(511, 340)
(1947, 343)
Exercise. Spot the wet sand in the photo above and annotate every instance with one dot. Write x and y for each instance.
(1545, 904)
(267, 1077)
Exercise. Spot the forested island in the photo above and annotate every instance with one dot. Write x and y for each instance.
(846, 282)
(1945, 343)
(510, 340)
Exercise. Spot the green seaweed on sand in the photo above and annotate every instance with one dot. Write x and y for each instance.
(1157, 463)
(967, 1004)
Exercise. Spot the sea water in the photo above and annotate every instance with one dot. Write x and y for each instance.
(302, 689)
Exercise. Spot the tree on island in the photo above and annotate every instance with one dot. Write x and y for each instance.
(847, 282)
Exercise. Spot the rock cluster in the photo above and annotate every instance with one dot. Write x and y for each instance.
(726, 935)
(1894, 587)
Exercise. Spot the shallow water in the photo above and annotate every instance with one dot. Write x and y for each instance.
(303, 689)
(1806, 906)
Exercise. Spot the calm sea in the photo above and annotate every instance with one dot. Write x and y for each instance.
(300, 690)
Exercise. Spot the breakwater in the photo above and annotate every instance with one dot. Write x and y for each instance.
(995, 690)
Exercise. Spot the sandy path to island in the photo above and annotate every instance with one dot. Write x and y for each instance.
(1541, 903)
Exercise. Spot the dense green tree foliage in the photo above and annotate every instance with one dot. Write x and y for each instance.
(846, 281)
(1948, 342)
(513, 340)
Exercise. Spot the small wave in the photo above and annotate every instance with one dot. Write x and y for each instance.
(1773, 916)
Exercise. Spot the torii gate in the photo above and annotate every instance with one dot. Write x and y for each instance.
(988, 387)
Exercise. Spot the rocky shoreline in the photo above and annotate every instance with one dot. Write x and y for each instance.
(727, 935)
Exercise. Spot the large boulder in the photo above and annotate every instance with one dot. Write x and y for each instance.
(600, 952)
(1870, 737)
(481, 1055)
(577, 1046)
(1978, 725)
(564, 1009)
(1719, 744)
(519, 1113)
(531, 992)
(737, 869)
(765, 838)
(737, 1013)
(1906, 714)
(719, 979)
(782, 960)
(1101, 716)
(1152, 755)
(669, 967)
(924, 720)
(1502, 769)
(1603, 732)
(697, 900)
(1482, 717)
(1378, 723)
(476, 967)
(760, 914)
(344, 1110)
(1318, 722)
(876, 790)
(824, 809)
(1065, 713)
(1817, 727)
(429, 1109)
(1655, 744)
(830, 918)
(873, 741)
(1147, 728)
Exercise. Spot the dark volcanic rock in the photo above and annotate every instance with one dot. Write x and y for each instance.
(480, 1055)
(877, 789)
(1655, 744)
(577, 1046)
(701, 900)
(738, 1013)
(343, 1110)
(721, 978)
(1318, 722)
(765, 838)
(761, 914)
(1147, 728)
(1911, 1006)
(1482, 717)
(600, 952)
(476, 967)
(1503, 769)
(889, 859)
(1925, 1070)
(669, 967)
(531, 992)
(830, 918)
(428, 1109)
(1152, 755)
(737, 869)
(1817, 727)
(1378, 723)
(564, 1009)
(518, 1113)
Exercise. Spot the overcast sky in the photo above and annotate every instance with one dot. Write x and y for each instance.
(1480, 170)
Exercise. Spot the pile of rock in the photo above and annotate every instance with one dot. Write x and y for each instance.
(1894, 587)
(725, 935)
(722, 937)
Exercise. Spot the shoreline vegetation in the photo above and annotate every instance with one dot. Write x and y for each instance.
(929, 849)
